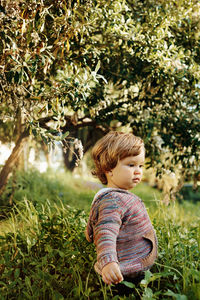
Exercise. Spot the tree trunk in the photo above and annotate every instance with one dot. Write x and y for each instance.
(88, 136)
(70, 157)
(12, 160)
(18, 131)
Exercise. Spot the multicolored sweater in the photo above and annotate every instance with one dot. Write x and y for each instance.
(122, 232)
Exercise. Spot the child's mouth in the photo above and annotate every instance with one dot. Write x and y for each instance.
(136, 179)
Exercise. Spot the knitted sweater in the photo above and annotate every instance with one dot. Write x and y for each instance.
(122, 232)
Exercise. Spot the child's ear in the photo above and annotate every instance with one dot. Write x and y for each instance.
(109, 173)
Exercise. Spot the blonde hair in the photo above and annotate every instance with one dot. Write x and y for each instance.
(113, 147)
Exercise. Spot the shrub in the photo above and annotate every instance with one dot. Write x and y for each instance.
(46, 256)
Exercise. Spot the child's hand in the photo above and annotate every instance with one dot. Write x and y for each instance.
(111, 273)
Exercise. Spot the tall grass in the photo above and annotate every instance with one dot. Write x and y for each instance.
(44, 254)
(49, 186)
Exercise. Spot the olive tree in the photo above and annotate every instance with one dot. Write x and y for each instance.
(42, 81)
(68, 65)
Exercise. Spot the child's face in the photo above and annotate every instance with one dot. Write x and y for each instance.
(127, 173)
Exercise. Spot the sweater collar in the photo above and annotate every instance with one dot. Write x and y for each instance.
(104, 191)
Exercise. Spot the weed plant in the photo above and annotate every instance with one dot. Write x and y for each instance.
(44, 254)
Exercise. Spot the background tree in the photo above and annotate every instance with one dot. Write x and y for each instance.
(35, 60)
(86, 63)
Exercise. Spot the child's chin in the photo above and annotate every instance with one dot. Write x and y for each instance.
(131, 186)
(134, 184)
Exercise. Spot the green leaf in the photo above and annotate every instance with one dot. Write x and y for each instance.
(176, 296)
(147, 278)
(148, 294)
(57, 296)
(63, 136)
(128, 284)
(97, 66)
(53, 131)
(17, 272)
(27, 281)
(62, 254)
(34, 131)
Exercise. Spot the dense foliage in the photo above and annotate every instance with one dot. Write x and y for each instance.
(67, 65)
(44, 254)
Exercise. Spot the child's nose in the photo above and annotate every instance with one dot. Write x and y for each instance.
(137, 170)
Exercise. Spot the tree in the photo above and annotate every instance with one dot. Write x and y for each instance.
(35, 60)
(87, 63)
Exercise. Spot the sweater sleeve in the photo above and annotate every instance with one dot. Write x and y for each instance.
(89, 232)
(106, 230)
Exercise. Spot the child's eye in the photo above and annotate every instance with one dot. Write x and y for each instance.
(131, 165)
(141, 166)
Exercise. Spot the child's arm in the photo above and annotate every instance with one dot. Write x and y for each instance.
(105, 232)
(89, 232)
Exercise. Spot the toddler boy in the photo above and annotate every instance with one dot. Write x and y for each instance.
(119, 224)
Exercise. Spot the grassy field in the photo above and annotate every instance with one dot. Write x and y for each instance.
(44, 254)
